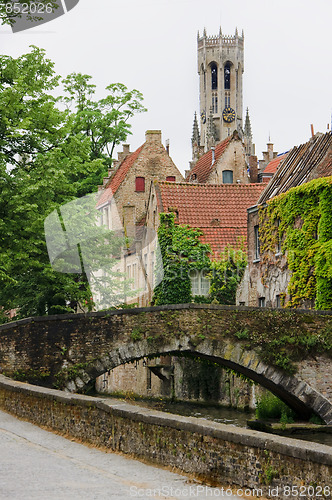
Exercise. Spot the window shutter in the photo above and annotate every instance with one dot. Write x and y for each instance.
(140, 184)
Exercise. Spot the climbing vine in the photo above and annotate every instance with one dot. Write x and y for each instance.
(181, 253)
(226, 274)
(299, 222)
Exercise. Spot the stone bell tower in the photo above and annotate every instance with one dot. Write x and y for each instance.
(220, 69)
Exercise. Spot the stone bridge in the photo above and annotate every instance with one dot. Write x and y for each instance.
(71, 351)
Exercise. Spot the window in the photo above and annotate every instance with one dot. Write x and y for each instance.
(227, 176)
(227, 76)
(242, 304)
(261, 302)
(278, 302)
(257, 243)
(140, 184)
(152, 269)
(200, 283)
(214, 76)
(227, 99)
(214, 102)
(148, 379)
(170, 178)
(145, 271)
(134, 276)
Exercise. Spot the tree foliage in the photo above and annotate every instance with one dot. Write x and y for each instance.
(46, 160)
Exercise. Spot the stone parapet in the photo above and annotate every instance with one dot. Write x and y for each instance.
(211, 452)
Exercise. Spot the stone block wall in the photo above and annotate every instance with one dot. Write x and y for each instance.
(209, 451)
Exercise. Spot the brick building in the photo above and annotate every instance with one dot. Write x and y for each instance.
(124, 194)
(220, 211)
(224, 163)
(262, 284)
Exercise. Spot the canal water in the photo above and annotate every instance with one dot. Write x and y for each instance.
(219, 414)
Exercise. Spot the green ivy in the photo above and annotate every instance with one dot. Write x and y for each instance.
(305, 233)
(181, 253)
(226, 275)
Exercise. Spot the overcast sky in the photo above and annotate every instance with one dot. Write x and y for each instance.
(151, 45)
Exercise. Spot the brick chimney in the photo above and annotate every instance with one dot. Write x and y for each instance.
(153, 136)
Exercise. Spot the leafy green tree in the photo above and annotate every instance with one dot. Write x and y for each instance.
(106, 121)
(46, 160)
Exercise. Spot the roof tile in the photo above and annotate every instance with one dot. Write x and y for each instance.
(118, 177)
(203, 167)
(220, 211)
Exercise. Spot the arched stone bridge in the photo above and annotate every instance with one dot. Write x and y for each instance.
(71, 351)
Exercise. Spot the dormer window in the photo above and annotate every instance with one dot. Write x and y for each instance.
(227, 76)
(214, 76)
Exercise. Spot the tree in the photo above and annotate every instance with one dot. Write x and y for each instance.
(46, 160)
(105, 122)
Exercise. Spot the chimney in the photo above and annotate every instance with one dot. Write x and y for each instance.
(125, 152)
(167, 146)
(213, 155)
(153, 136)
(253, 168)
(312, 130)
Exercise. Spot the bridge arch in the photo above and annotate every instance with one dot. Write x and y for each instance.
(75, 349)
(298, 394)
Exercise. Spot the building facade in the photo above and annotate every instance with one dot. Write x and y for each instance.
(270, 272)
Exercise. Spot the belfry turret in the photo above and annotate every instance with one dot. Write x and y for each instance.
(220, 68)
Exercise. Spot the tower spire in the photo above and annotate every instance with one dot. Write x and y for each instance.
(247, 126)
(195, 137)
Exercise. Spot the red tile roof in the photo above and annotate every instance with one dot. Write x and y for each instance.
(220, 211)
(118, 177)
(204, 166)
(271, 168)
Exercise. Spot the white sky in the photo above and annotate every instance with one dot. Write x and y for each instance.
(151, 45)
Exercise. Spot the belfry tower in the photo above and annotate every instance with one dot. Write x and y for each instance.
(220, 68)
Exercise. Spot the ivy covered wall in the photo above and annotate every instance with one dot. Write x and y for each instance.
(183, 254)
(299, 224)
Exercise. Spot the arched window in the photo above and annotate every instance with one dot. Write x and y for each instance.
(214, 76)
(214, 102)
(227, 76)
(227, 176)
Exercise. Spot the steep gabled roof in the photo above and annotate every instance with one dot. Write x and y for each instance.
(204, 166)
(220, 211)
(299, 165)
(118, 177)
